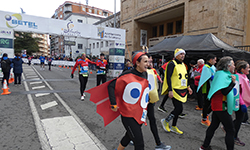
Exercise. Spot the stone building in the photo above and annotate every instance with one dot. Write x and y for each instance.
(148, 22)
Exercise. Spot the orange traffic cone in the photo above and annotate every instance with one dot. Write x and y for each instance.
(68, 67)
(5, 88)
(71, 68)
(60, 66)
(90, 72)
(63, 66)
(11, 80)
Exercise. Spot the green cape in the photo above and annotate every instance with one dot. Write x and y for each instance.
(222, 79)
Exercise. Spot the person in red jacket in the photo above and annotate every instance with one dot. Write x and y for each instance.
(197, 75)
(83, 63)
(101, 66)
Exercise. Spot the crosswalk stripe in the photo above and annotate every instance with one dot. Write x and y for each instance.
(41, 94)
(38, 87)
(48, 105)
(36, 82)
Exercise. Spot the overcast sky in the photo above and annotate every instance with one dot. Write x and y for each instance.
(46, 8)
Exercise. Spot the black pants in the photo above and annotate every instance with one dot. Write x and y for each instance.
(49, 64)
(6, 75)
(206, 107)
(226, 120)
(83, 82)
(178, 108)
(133, 132)
(239, 115)
(152, 122)
(200, 98)
(100, 78)
(17, 77)
(165, 98)
(245, 118)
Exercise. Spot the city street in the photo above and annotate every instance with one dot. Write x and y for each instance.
(45, 112)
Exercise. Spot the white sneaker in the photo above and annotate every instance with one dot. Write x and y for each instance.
(84, 94)
(82, 98)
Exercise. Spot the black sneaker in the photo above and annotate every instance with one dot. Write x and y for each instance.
(203, 148)
(182, 115)
(162, 109)
(238, 142)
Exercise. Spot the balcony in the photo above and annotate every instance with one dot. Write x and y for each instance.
(67, 9)
(245, 48)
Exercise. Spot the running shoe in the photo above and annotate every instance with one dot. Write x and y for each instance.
(84, 94)
(198, 108)
(82, 98)
(245, 123)
(165, 125)
(208, 148)
(206, 122)
(182, 115)
(162, 147)
(162, 109)
(238, 142)
(176, 130)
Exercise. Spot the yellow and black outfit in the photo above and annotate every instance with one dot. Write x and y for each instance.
(176, 80)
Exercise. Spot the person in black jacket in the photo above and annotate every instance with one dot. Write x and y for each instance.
(5, 65)
(17, 68)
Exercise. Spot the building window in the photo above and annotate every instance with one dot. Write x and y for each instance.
(93, 45)
(101, 44)
(100, 12)
(60, 9)
(97, 45)
(179, 26)
(83, 9)
(90, 46)
(95, 11)
(105, 13)
(161, 30)
(79, 46)
(79, 20)
(155, 31)
(107, 44)
(90, 10)
(60, 16)
(170, 28)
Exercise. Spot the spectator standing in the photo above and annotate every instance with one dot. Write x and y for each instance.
(5, 65)
(17, 69)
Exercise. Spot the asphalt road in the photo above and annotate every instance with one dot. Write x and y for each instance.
(18, 129)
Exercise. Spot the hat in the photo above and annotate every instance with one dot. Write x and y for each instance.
(136, 56)
(178, 51)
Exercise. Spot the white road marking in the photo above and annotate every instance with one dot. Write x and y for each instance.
(28, 77)
(41, 94)
(36, 82)
(35, 79)
(48, 105)
(38, 87)
(40, 131)
(64, 133)
(95, 140)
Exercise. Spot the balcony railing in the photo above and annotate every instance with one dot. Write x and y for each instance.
(245, 48)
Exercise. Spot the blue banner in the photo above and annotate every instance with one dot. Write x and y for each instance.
(116, 66)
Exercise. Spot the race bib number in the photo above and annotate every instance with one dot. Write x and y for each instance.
(85, 68)
(144, 115)
(183, 82)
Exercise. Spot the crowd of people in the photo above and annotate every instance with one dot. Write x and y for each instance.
(219, 89)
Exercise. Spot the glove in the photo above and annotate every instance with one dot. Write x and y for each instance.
(243, 108)
(72, 75)
(212, 77)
